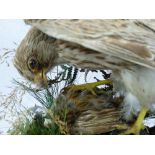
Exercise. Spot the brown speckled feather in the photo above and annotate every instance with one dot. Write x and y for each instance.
(127, 47)
(129, 40)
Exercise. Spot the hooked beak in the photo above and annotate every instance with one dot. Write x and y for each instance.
(41, 79)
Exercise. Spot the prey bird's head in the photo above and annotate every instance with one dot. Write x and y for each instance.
(35, 56)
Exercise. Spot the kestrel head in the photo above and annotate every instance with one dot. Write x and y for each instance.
(35, 56)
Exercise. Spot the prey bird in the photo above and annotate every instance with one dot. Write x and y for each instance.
(127, 47)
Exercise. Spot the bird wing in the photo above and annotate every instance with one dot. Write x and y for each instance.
(129, 40)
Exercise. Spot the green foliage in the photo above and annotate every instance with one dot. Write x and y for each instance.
(35, 125)
(43, 96)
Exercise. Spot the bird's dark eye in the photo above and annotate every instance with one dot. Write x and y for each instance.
(33, 64)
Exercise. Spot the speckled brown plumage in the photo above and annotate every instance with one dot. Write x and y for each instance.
(125, 46)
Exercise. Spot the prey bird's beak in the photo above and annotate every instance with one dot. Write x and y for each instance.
(41, 79)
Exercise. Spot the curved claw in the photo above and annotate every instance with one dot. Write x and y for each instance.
(138, 125)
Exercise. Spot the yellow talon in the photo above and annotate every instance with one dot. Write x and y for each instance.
(138, 125)
(90, 86)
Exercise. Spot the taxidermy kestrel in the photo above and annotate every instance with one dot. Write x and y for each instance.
(127, 47)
